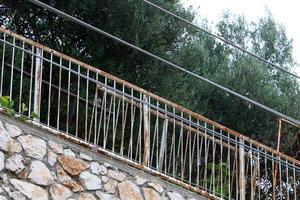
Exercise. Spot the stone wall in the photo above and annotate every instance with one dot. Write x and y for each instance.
(37, 165)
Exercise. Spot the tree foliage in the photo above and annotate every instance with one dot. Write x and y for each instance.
(137, 23)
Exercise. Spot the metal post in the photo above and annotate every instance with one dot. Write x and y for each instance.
(279, 134)
(275, 172)
(242, 170)
(37, 84)
(146, 132)
(163, 144)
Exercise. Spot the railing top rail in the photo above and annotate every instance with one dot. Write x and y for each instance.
(150, 94)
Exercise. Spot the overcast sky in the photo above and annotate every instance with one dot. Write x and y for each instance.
(286, 12)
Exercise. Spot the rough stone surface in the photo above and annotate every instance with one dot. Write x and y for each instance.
(13, 130)
(102, 170)
(31, 191)
(15, 147)
(175, 196)
(52, 157)
(33, 147)
(56, 148)
(90, 181)
(151, 194)
(40, 174)
(140, 181)
(157, 187)
(104, 196)
(85, 157)
(1, 161)
(107, 165)
(129, 191)
(15, 163)
(72, 165)
(110, 186)
(86, 196)
(5, 139)
(104, 179)
(95, 167)
(34, 167)
(4, 178)
(17, 195)
(59, 192)
(69, 152)
(67, 181)
(7, 143)
(2, 197)
(116, 175)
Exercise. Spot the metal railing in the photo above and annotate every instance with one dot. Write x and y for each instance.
(104, 112)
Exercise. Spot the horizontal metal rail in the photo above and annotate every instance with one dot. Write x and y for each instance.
(102, 111)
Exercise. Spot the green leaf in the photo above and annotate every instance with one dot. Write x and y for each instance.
(24, 108)
(34, 115)
(6, 102)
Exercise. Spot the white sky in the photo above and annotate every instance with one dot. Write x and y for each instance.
(286, 12)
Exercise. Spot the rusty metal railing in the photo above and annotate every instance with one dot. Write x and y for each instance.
(104, 112)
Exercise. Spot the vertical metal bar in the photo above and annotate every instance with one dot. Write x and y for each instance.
(214, 163)
(163, 143)
(59, 91)
(3, 62)
(242, 170)
(198, 154)
(172, 149)
(156, 135)
(49, 90)
(37, 84)
(104, 115)
(258, 173)
(77, 102)
(221, 165)
(279, 133)
(12, 69)
(190, 151)
(96, 112)
(182, 170)
(280, 181)
(287, 180)
(146, 132)
(252, 180)
(274, 177)
(295, 181)
(114, 119)
(86, 106)
(229, 168)
(132, 116)
(68, 98)
(92, 116)
(117, 118)
(205, 157)
(266, 174)
(123, 121)
(30, 84)
(108, 122)
(100, 120)
(21, 80)
(139, 142)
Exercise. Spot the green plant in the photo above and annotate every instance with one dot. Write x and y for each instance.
(221, 177)
(34, 115)
(24, 108)
(8, 104)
